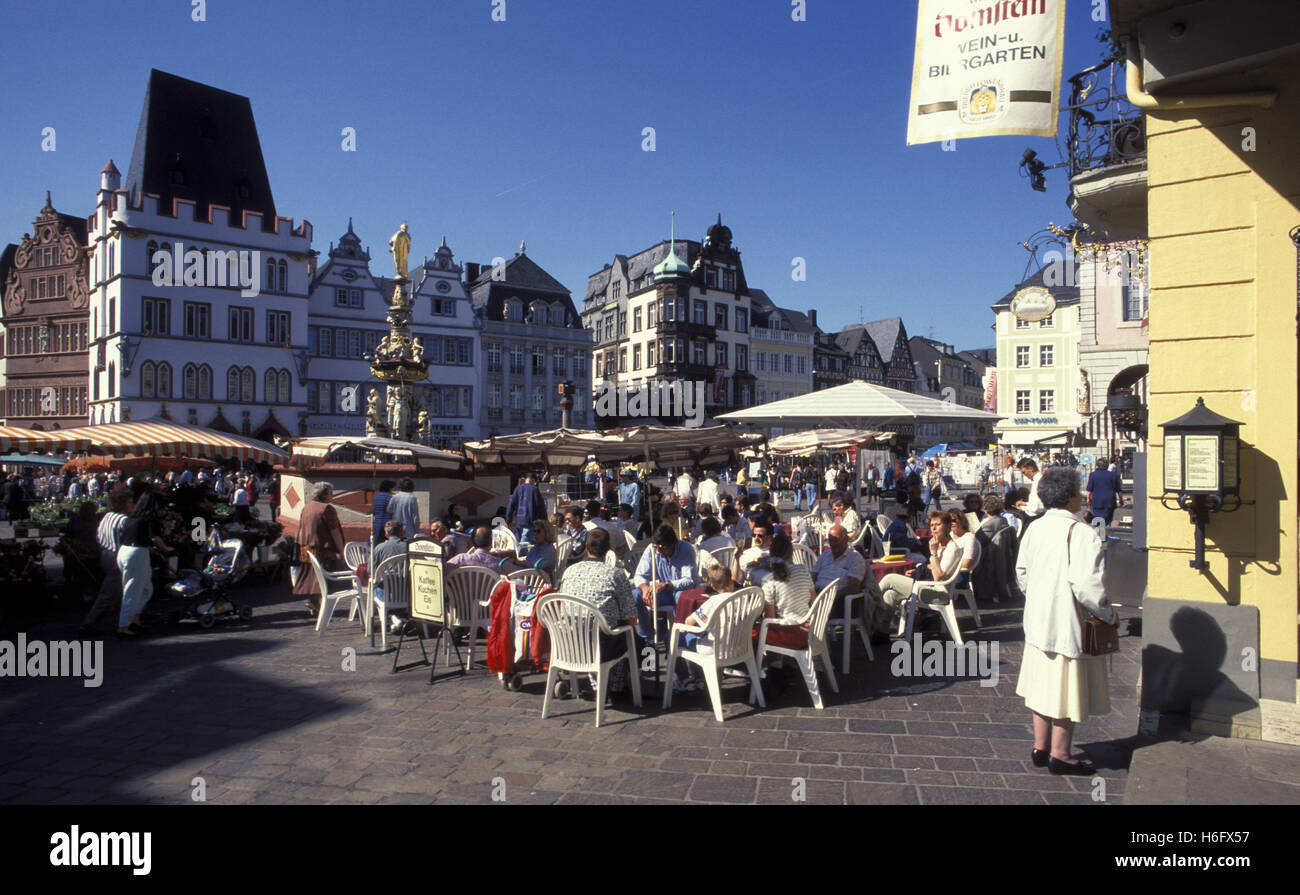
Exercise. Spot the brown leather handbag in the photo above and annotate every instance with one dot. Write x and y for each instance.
(1096, 637)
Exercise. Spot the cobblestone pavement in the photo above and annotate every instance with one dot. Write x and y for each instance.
(264, 712)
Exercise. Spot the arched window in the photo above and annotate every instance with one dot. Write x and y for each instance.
(147, 379)
(189, 382)
(232, 384)
(164, 387)
(270, 274)
(111, 266)
(268, 386)
(246, 385)
(205, 383)
(540, 317)
(283, 281)
(286, 387)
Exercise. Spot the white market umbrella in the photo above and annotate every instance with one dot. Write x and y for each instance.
(858, 405)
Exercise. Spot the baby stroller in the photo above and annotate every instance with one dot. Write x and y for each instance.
(517, 643)
(205, 594)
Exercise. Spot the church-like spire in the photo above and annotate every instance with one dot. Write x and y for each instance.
(671, 266)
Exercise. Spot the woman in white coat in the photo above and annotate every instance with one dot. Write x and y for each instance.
(1060, 560)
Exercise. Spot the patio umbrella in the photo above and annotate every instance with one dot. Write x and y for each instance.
(858, 405)
(32, 459)
(801, 444)
(164, 438)
(311, 452)
(569, 448)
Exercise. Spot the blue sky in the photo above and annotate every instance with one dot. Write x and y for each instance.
(493, 132)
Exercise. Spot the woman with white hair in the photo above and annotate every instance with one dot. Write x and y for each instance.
(319, 533)
(1060, 561)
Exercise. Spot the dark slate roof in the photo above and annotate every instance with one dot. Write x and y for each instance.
(212, 135)
(76, 224)
(523, 279)
(885, 334)
(641, 263)
(1065, 295)
(798, 320)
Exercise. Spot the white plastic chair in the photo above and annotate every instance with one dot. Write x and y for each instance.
(936, 595)
(575, 627)
(968, 591)
(389, 590)
(563, 552)
(722, 556)
(530, 579)
(882, 524)
(851, 622)
(802, 556)
(504, 539)
(611, 559)
(329, 600)
(468, 596)
(730, 628)
(355, 553)
(816, 619)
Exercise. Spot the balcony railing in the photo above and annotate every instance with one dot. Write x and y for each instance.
(763, 334)
(1105, 128)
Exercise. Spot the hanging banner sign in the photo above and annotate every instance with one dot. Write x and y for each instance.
(986, 68)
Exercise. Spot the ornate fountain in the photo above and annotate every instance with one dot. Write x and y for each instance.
(398, 361)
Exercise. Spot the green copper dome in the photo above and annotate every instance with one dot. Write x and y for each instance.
(671, 267)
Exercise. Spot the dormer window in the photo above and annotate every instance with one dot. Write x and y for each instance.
(514, 311)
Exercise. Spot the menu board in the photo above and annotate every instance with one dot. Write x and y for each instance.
(426, 590)
(1202, 462)
(1174, 463)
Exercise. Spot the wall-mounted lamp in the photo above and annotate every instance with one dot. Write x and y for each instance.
(1201, 470)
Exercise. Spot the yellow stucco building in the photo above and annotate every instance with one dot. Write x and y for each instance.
(1219, 83)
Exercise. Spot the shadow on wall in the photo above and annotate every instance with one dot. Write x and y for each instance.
(1200, 678)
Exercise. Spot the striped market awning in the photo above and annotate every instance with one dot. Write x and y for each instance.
(13, 438)
(168, 439)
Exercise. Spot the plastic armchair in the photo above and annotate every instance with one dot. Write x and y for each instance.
(330, 599)
(354, 554)
(936, 595)
(563, 553)
(468, 594)
(722, 556)
(504, 539)
(967, 592)
(730, 628)
(802, 556)
(818, 616)
(882, 524)
(575, 627)
(852, 622)
(389, 590)
(534, 580)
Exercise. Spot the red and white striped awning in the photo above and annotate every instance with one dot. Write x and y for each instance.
(168, 439)
(14, 438)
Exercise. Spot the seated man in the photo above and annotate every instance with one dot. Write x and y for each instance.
(480, 554)
(754, 565)
(899, 536)
(395, 545)
(596, 519)
(451, 545)
(737, 528)
(667, 568)
(573, 528)
(608, 588)
(839, 562)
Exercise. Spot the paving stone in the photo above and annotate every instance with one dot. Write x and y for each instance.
(881, 794)
(718, 788)
(952, 795)
(781, 791)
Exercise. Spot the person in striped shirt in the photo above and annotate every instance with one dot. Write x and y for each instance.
(109, 536)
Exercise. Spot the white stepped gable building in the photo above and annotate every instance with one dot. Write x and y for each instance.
(197, 178)
(348, 317)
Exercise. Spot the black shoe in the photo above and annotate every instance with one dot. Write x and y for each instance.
(1040, 757)
(1080, 768)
